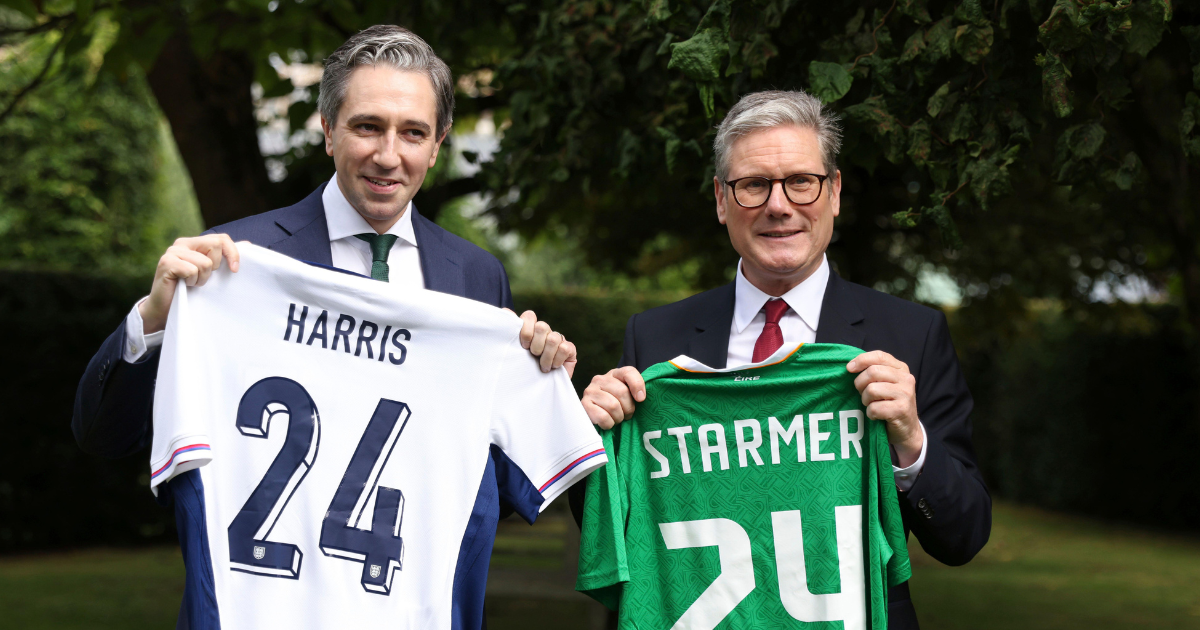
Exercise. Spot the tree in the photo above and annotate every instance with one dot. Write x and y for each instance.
(1032, 149)
(87, 172)
(202, 58)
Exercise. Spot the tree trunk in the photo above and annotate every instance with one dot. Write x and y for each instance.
(208, 103)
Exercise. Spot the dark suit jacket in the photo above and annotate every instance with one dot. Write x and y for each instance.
(114, 400)
(948, 508)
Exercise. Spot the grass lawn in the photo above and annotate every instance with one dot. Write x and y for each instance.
(1040, 570)
(1044, 570)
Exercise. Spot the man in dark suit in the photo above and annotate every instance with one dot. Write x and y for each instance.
(386, 104)
(778, 191)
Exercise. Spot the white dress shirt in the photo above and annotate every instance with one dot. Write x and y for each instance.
(799, 325)
(348, 252)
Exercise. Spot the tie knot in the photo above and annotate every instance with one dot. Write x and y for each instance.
(381, 245)
(775, 310)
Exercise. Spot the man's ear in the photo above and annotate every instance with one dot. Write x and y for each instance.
(328, 129)
(437, 147)
(717, 192)
(835, 192)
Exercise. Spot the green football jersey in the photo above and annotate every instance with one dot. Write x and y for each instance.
(759, 497)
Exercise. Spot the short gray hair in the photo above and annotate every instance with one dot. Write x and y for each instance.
(397, 47)
(777, 108)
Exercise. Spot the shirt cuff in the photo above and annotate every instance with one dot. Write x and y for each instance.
(138, 344)
(906, 477)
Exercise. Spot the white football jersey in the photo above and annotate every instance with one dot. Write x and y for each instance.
(337, 447)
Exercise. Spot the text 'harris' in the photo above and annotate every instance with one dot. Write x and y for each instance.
(346, 328)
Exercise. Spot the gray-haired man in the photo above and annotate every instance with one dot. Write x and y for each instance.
(386, 106)
(778, 191)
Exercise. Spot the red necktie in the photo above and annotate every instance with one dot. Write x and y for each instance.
(771, 337)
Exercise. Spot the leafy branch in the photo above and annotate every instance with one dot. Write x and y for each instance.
(32, 85)
(874, 37)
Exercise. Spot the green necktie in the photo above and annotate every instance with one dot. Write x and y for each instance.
(381, 246)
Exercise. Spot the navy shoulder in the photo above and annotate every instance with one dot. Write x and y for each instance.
(696, 307)
(455, 247)
(874, 301)
(269, 227)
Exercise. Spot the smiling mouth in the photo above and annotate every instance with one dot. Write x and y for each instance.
(780, 233)
(381, 183)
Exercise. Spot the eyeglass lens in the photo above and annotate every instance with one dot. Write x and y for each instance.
(754, 191)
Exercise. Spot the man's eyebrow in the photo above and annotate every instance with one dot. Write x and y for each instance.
(363, 118)
(419, 124)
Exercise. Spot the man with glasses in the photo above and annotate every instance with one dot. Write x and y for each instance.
(777, 191)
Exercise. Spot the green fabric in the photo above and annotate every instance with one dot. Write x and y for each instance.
(624, 561)
(381, 246)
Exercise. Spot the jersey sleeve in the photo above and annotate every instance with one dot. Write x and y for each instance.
(180, 436)
(540, 425)
(603, 563)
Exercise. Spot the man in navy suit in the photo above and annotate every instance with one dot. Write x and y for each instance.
(777, 190)
(386, 104)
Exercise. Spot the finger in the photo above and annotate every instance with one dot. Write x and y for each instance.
(633, 380)
(878, 373)
(528, 321)
(185, 271)
(620, 391)
(885, 410)
(230, 251)
(881, 391)
(609, 404)
(566, 352)
(553, 341)
(597, 415)
(203, 264)
(875, 357)
(538, 343)
(569, 366)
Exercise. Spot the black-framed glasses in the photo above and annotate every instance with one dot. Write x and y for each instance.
(800, 189)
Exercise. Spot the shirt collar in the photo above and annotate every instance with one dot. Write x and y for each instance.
(344, 221)
(805, 298)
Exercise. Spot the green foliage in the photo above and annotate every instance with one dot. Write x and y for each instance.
(966, 122)
(88, 180)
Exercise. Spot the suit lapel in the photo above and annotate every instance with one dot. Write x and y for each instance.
(841, 319)
(307, 233)
(442, 273)
(710, 345)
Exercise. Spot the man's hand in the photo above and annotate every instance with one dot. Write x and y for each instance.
(609, 398)
(551, 347)
(890, 393)
(191, 260)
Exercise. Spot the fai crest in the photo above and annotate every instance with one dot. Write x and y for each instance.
(375, 569)
(259, 552)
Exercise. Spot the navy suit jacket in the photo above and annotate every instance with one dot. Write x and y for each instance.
(948, 508)
(114, 400)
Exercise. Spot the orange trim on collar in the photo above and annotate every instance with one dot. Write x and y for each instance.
(789, 355)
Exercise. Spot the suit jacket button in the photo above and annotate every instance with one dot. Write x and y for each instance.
(921, 504)
(103, 371)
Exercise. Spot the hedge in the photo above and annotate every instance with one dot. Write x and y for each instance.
(1074, 417)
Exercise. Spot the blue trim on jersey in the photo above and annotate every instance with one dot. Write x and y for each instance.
(198, 611)
(516, 488)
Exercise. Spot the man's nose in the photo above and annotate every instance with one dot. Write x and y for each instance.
(778, 205)
(387, 155)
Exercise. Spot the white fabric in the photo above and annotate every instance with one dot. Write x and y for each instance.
(137, 343)
(467, 384)
(348, 252)
(799, 325)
